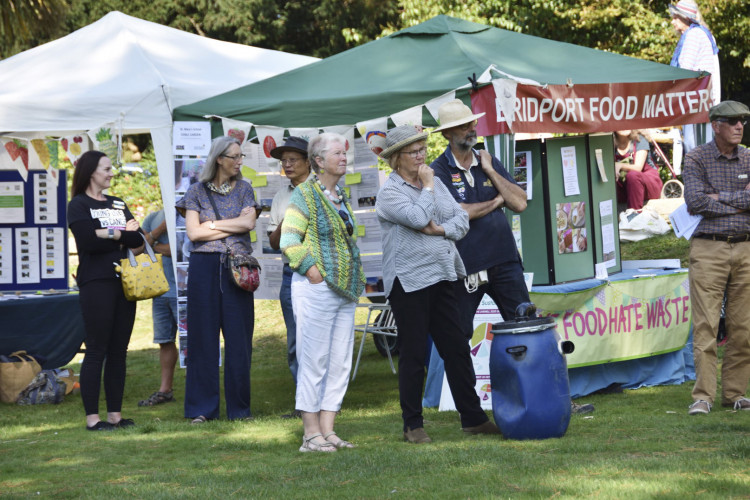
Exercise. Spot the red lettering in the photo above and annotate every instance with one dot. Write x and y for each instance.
(685, 308)
(638, 316)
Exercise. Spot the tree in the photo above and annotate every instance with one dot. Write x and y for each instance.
(24, 21)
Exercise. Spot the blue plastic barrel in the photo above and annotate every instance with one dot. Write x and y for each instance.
(529, 378)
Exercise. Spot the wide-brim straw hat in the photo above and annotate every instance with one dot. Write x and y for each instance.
(685, 8)
(293, 143)
(399, 137)
(454, 113)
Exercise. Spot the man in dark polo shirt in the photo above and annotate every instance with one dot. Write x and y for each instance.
(482, 186)
(717, 186)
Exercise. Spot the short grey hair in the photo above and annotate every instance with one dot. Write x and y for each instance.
(319, 146)
(219, 146)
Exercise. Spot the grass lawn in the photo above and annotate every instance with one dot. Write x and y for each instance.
(638, 444)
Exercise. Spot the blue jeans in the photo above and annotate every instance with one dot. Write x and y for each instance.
(285, 296)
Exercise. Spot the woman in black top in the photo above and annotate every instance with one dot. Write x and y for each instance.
(102, 227)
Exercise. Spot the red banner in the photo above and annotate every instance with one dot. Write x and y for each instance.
(588, 108)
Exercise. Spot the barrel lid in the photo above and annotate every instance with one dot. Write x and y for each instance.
(523, 325)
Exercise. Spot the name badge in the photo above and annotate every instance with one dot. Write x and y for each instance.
(742, 176)
(118, 205)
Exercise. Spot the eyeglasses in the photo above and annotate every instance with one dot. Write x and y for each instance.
(234, 157)
(290, 161)
(732, 121)
(415, 153)
(345, 218)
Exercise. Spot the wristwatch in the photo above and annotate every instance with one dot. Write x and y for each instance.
(211, 225)
(110, 233)
(428, 189)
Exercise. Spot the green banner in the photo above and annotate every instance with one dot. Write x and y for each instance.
(621, 320)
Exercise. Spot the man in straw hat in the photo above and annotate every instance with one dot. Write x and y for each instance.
(292, 156)
(717, 186)
(481, 185)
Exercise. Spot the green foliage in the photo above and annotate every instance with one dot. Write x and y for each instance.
(140, 191)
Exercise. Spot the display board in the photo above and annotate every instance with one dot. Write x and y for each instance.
(570, 222)
(33, 231)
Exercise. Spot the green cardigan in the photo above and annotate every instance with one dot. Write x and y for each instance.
(313, 233)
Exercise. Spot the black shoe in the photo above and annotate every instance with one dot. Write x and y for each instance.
(294, 414)
(101, 426)
(124, 422)
(580, 409)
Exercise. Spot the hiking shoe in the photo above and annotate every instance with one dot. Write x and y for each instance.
(700, 406)
(742, 404)
(417, 436)
(485, 428)
(580, 409)
(157, 398)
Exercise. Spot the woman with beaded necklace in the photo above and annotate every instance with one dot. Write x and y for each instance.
(319, 239)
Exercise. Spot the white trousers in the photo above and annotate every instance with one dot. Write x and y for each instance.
(325, 340)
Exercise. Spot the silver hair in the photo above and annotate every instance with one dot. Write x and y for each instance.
(319, 146)
(218, 147)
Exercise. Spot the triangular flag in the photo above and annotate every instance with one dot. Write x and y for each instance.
(374, 132)
(18, 152)
(269, 138)
(238, 129)
(411, 116)
(433, 105)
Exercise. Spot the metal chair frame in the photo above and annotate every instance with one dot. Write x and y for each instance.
(382, 324)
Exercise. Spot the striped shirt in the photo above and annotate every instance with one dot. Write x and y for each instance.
(697, 54)
(707, 171)
(419, 260)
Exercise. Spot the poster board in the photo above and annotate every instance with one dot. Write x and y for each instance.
(33, 231)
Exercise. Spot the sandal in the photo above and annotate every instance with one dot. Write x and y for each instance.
(157, 398)
(340, 443)
(200, 419)
(309, 445)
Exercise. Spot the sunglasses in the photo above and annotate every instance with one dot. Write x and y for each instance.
(732, 121)
(345, 218)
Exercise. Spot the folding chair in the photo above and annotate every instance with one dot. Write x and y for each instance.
(380, 321)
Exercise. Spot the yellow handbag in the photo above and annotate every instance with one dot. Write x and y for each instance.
(142, 275)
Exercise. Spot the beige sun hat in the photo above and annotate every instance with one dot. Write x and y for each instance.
(454, 113)
(399, 137)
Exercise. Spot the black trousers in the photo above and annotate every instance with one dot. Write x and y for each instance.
(108, 318)
(433, 311)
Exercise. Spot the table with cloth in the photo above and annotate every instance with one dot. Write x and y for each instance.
(631, 329)
(48, 326)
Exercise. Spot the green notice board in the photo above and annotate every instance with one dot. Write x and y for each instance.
(561, 232)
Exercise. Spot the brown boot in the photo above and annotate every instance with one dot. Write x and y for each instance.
(417, 436)
(485, 428)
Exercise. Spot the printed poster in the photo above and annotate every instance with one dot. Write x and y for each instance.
(571, 227)
(522, 171)
(570, 171)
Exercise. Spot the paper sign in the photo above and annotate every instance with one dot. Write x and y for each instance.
(354, 178)
(191, 138)
(260, 181)
(570, 171)
(600, 164)
(253, 236)
(360, 231)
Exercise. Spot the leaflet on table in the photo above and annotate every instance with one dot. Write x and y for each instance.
(372, 265)
(27, 255)
(45, 200)
(53, 250)
(12, 203)
(570, 171)
(683, 223)
(6, 256)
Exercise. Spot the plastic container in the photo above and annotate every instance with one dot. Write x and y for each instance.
(529, 377)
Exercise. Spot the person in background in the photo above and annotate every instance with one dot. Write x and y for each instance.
(319, 239)
(103, 229)
(637, 174)
(214, 302)
(163, 310)
(293, 159)
(481, 185)
(420, 224)
(717, 186)
(696, 50)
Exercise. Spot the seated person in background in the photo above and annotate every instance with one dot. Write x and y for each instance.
(637, 174)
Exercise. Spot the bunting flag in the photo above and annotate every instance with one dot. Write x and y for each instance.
(434, 104)
(304, 133)
(348, 132)
(16, 156)
(44, 155)
(74, 146)
(269, 138)
(238, 129)
(106, 140)
(505, 98)
(373, 132)
(411, 116)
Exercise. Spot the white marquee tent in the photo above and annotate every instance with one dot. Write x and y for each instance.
(128, 69)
